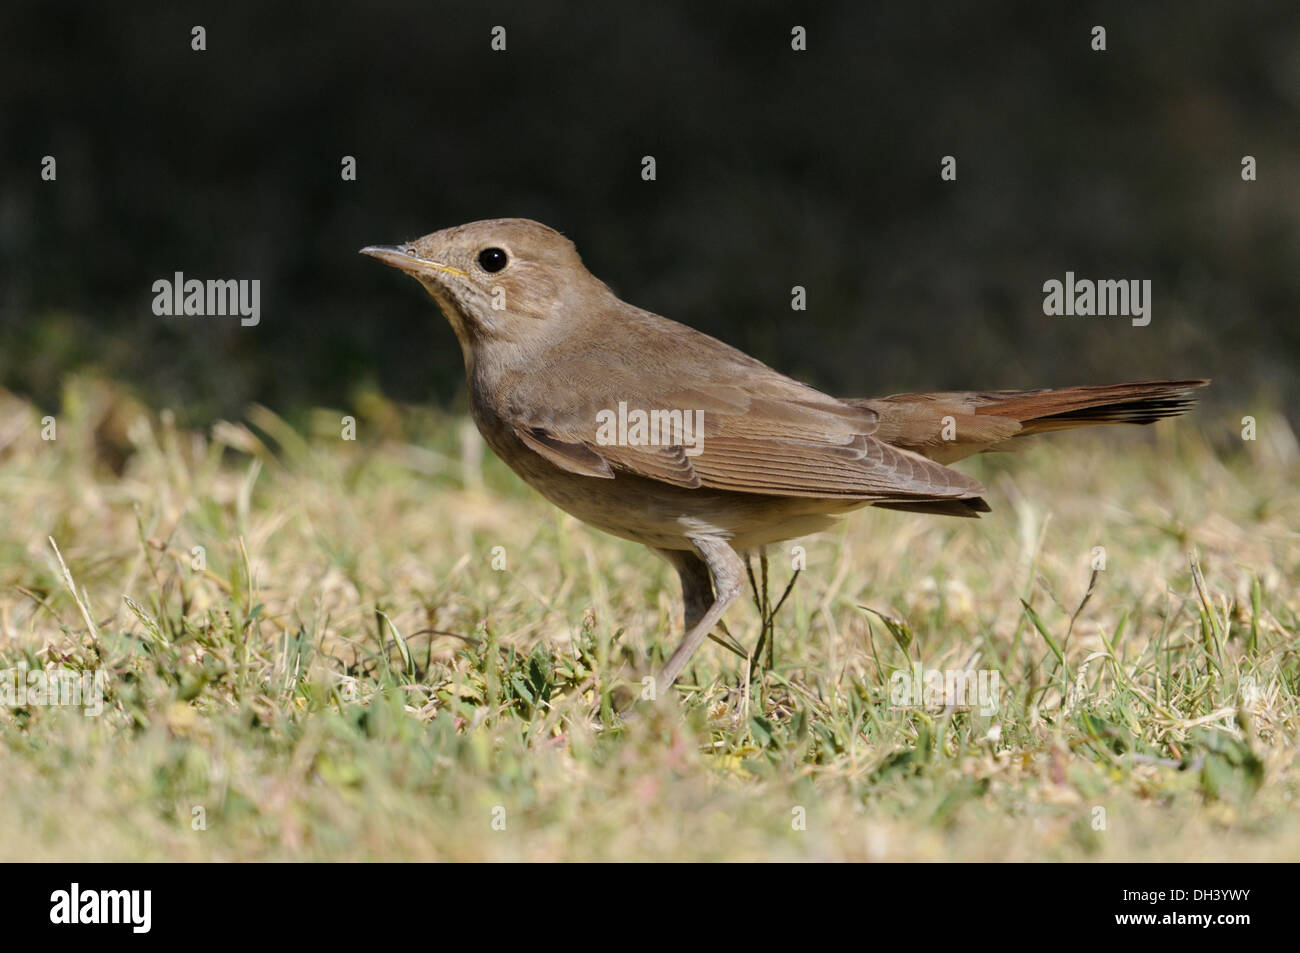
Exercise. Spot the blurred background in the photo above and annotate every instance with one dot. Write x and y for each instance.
(775, 168)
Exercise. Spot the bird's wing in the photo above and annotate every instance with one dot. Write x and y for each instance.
(761, 431)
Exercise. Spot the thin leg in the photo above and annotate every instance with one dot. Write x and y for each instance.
(697, 587)
(697, 596)
(719, 589)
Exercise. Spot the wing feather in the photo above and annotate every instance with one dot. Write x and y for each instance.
(763, 432)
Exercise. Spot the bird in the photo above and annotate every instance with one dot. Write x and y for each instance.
(658, 433)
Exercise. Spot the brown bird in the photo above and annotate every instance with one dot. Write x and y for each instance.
(658, 433)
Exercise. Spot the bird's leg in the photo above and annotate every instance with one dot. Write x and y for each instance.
(711, 581)
(697, 587)
(697, 596)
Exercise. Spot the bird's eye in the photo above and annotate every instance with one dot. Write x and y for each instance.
(492, 259)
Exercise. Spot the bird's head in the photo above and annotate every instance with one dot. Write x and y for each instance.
(506, 279)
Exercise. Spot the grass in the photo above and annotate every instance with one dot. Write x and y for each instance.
(339, 671)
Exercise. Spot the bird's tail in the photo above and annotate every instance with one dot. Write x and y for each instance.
(1042, 411)
(954, 424)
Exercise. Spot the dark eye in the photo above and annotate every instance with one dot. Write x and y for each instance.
(492, 259)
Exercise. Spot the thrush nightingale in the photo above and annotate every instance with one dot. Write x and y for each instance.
(653, 431)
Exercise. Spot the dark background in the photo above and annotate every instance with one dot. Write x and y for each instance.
(775, 168)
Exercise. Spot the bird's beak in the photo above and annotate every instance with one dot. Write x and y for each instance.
(405, 258)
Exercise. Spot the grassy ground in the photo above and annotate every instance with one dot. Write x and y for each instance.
(340, 671)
